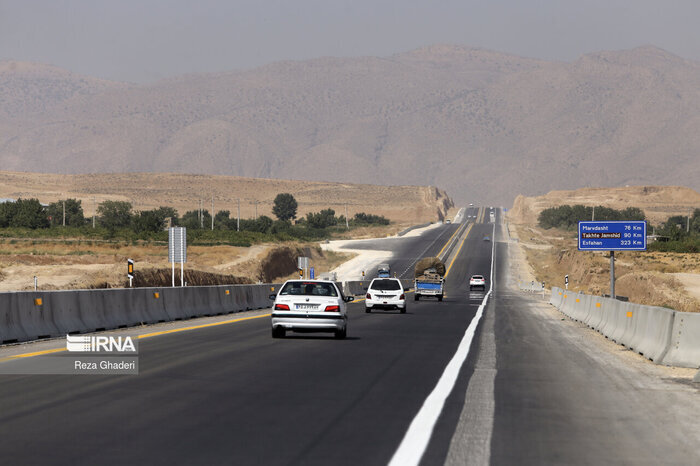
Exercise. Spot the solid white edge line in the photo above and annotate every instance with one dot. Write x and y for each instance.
(417, 437)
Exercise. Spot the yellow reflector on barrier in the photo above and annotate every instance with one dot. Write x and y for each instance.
(272, 288)
(629, 313)
(565, 296)
(597, 304)
(578, 300)
(156, 295)
(228, 292)
(560, 293)
(38, 302)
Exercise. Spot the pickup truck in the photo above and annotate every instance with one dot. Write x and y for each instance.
(429, 281)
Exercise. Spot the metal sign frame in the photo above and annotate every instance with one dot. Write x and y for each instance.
(177, 251)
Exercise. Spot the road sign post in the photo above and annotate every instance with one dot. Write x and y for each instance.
(130, 271)
(566, 281)
(628, 235)
(303, 266)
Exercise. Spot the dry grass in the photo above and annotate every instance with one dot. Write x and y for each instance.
(95, 264)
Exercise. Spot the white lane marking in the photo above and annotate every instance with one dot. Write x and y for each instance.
(417, 438)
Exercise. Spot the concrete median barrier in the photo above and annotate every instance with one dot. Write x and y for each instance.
(32, 315)
(662, 335)
(684, 349)
(556, 297)
(652, 331)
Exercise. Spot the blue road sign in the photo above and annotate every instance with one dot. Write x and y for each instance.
(612, 236)
(312, 272)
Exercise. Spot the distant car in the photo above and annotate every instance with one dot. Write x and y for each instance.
(486, 238)
(471, 205)
(448, 221)
(385, 293)
(310, 306)
(477, 281)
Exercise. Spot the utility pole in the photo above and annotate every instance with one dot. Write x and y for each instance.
(687, 225)
(64, 213)
(347, 225)
(238, 221)
(201, 216)
(212, 212)
(256, 209)
(593, 216)
(94, 211)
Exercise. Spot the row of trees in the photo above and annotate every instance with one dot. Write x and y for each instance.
(567, 217)
(680, 233)
(118, 215)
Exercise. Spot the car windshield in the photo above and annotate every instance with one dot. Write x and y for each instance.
(385, 285)
(309, 289)
(477, 277)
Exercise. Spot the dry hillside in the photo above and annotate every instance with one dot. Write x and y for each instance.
(402, 204)
(484, 125)
(656, 278)
(657, 202)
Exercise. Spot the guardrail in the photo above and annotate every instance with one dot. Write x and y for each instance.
(662, 335)
(32, 315)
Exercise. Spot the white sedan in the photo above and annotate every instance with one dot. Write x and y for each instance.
(477, 281)
(310, 306)
(385, 293)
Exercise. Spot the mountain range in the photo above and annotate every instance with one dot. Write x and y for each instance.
(483, 125)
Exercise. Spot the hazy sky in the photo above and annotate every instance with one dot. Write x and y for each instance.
(144, 40)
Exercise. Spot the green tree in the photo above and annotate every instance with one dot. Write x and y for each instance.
(285, 207)
(29, 213)
(192, 221)
(74, 213)
(222, 220)
(152, 220)
(322, 219)
(114, 214)
(7, 212)
(362, 218)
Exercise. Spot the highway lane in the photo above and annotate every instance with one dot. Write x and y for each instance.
(541, 389)
(534, 389)
(232, 395)
(408, 250)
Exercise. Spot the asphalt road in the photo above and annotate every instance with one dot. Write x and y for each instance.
(408, 250)
(531, 391)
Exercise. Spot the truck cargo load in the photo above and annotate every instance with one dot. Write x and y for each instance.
(425, 264)
(429, 281)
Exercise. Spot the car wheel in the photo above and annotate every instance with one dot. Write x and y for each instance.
(278, 332)
(415, 298)
(368, 309)
(340, 334)
(403, 309)
(439, 298)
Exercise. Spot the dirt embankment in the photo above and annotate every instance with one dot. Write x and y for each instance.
(644, 277)
(281, 263)
(654, 278)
